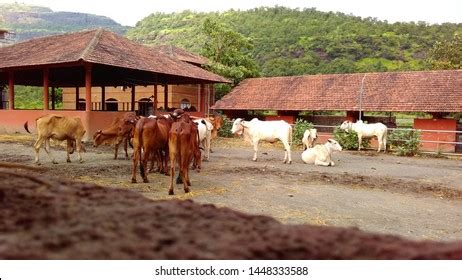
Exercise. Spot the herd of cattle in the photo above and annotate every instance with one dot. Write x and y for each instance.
(176, 139)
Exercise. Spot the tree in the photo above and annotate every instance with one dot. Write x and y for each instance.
(229, 53)
(447, 54)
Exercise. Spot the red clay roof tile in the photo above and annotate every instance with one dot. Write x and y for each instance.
(422, 91)
(102, 47)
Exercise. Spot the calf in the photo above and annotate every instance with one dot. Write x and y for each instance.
(321, 154)
(269, 131)
(217, 122)
(309, 136)
(121, 130)
(58, 128)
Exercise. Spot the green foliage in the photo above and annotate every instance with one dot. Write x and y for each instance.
(33, 21)
(447, 54)
(349, 140)
(299, 129)
(225, 129)
(32, 97)
(228, 52)
(296, 42)
(405, 142)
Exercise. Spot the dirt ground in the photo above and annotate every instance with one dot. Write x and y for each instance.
(418, 198)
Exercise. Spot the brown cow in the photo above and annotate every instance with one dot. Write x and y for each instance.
(150, 136)
(183, 144)
(121, 130)
(58, 128)
(217, 122)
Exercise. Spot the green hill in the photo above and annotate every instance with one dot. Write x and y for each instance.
(294, 42)
(33, 21)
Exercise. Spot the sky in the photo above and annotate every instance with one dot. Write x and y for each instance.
(131, 11)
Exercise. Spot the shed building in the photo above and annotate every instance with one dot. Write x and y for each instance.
(435, 92)
(87, 59)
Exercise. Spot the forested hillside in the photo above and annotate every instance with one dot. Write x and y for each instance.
(32, 21)
(294, 42)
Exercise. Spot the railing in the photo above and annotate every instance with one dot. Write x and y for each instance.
(142, 107)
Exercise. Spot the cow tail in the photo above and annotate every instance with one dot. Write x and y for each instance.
(26, 126)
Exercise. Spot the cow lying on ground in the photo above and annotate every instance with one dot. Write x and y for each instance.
(321, 154)
(365, 130)
(270, 131)
(58, 128)
(309, 136)
(121, 130)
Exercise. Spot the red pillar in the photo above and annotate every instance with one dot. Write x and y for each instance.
(103, 98)
(202, 95)
(166, 97)
(133, 100)
(45, 89)
(11, 90)
(88, 87)
(154, 101)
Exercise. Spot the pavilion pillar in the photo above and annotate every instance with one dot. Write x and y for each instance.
(46, 100)
(77, 97)
(133, 99)
(154, 101)
(103, 98)
(87, 87)
(202, 97)
(53, 97)
(166, 97)
(11, 90)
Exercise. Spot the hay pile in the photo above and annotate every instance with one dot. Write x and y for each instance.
(49, 218)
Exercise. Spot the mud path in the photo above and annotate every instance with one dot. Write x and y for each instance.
(419, 198)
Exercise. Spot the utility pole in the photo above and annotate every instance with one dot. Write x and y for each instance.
(361, 92)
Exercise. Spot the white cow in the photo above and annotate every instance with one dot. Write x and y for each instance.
(368, 130)
(205, 135)
(321, 154)
(256, 130)
(309, 137)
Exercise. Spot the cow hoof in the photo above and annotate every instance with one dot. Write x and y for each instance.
(186, 190)
(254, 159)
(290, 162)
(145, 181)
(81, 161)
(38, 163)
(55, 162)
(170, 193)
(68, 161)
(133, 180)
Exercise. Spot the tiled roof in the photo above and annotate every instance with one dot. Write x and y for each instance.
(101, 47)
(420, 91)
(181, 54)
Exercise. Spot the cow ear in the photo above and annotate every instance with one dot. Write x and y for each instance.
(329, 140)
(99, 131)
